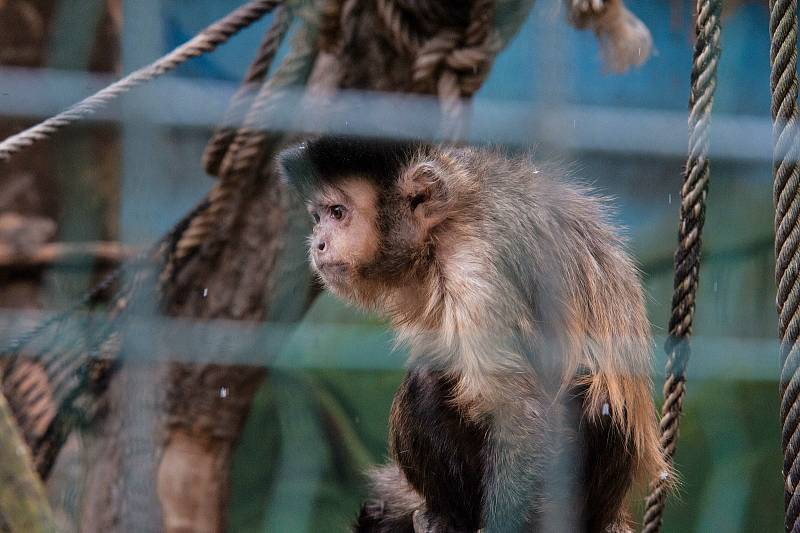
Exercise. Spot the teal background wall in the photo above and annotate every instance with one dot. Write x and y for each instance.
(320, 420)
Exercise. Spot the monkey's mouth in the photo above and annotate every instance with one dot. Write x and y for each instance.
(334, 273)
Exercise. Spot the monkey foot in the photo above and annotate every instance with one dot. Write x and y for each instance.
(425, 522)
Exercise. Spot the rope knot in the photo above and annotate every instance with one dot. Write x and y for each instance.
(454, 61)
(467, 53)
(449, 53)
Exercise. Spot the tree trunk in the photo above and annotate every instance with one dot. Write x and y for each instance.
(23, 503)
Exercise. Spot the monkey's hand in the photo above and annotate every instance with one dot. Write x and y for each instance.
(624, 40)
(586, 7)
(427, 522)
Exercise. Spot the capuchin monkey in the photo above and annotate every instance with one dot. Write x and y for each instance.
(527, 403)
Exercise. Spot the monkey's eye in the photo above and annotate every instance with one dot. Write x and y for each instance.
(315, 216)
(337, 212)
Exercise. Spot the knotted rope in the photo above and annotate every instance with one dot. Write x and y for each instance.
(455, 62)
(786, 175)
(687, 255)
(204, 42)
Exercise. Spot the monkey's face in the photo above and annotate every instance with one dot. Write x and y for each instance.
(368, 239)
(345, 235)
(376, 208)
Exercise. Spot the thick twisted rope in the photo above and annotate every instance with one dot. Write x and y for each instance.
(786, 175)
(218, 146)
(462, 63)
(687, 255)
(455, 62)
(204, 42)
(246, 151)
(405, 35)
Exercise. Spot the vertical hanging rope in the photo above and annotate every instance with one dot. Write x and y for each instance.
(783, 81)
(217, 147)
(687, 255)
(246, 149)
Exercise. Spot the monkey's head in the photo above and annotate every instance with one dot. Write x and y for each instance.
(376, 207)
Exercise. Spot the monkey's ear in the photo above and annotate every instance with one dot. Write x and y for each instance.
(424, 187)
(296, 169)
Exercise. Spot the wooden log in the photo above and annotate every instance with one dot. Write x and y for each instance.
(23, 504)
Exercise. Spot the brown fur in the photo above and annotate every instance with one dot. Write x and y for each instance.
(624, 40)
(508, 282)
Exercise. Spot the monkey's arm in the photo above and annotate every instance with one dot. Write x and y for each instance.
(440, 458)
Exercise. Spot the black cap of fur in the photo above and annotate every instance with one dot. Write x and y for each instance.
(313, 163)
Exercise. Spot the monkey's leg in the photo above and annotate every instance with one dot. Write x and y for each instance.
(440, 451)
(397, 508)
(554, 467)
(391, 505)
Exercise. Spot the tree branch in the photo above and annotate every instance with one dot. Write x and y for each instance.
(56, 253)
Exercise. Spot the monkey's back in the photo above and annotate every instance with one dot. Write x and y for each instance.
(564, 272)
